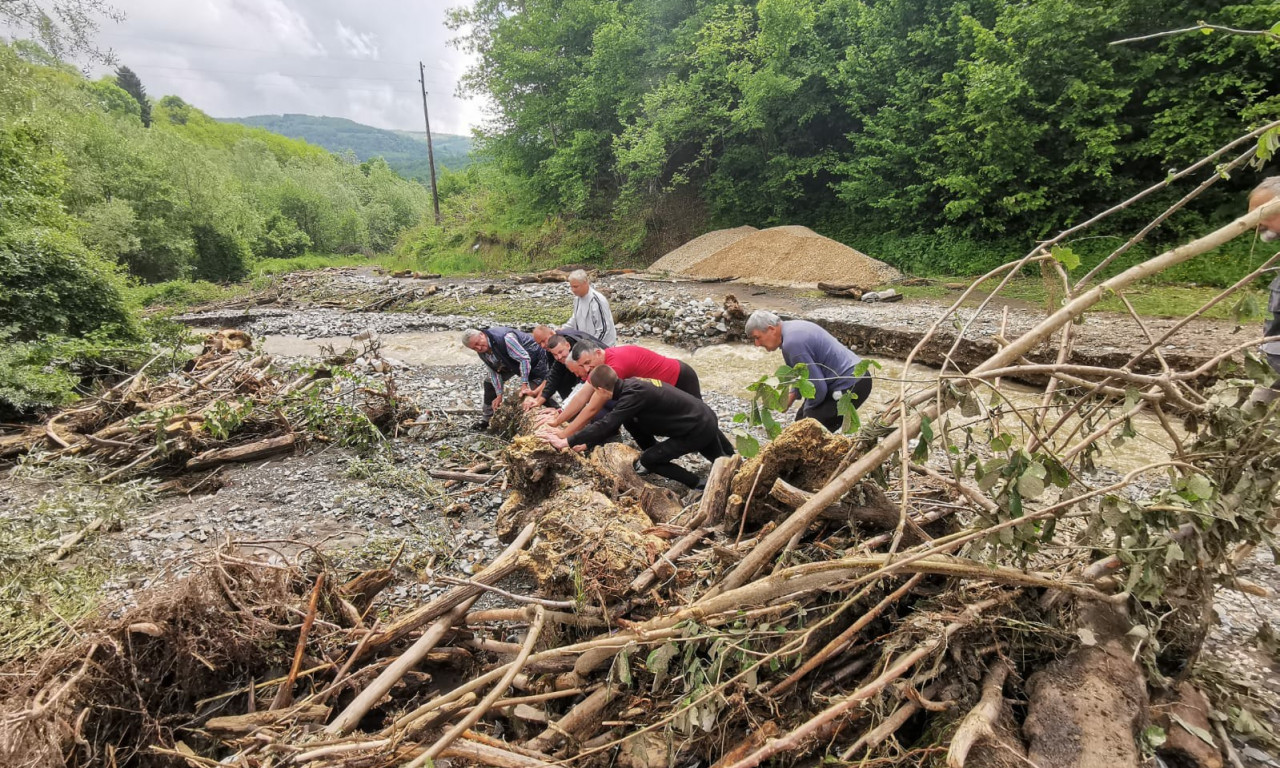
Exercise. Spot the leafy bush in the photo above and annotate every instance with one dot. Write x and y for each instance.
(38, 375)
(50, 284)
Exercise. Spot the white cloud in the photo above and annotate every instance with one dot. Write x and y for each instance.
(359, 45)
(233, 58)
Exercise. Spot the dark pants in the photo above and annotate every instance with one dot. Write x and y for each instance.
(687, 381)
(657, 456)
(825, 411)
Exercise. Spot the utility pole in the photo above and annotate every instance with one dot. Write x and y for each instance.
(431, 155)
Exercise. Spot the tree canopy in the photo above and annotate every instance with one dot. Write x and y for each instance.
(876, 121)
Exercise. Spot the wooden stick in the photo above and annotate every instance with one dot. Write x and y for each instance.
(466, 477)
(495, 572)
(667, 561)
(576, 720)
(535, 631)
(872, 738)
(716, 493)
(284, 695)
(357, 709)
(70, 541)
(838, 642)
(250, 452)
(895, 671)
(978, 723)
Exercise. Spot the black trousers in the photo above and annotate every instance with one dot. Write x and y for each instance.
(825, 411)
(687, 381)
(657, 457)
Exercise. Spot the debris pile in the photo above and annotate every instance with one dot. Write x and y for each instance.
(929, 590)
(227, 405)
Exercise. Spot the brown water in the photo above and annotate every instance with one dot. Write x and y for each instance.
(729, 368)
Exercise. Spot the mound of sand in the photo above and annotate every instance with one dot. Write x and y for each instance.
(681, 259)
(792, 256)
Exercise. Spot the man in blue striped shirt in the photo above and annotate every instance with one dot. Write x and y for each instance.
(506, 352)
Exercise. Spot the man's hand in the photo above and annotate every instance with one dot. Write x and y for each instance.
(546, 418)
(554, 439)
(532, 402)
(580, 448)
(497, 402)
(792, 396)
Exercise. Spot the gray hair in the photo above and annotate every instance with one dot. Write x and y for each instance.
(761, 319)
(1270, 184)
(470, 335)
(578, 276)
(582, 349)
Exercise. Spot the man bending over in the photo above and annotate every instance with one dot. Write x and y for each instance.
(831, 364)
(506, 352)
(627, 362)
(650, 409)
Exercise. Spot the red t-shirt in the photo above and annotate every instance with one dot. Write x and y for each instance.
(633, 362)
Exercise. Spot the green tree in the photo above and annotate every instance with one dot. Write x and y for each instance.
(129, 81)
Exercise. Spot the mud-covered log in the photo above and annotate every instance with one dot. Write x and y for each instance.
(876, 510)
(591, 513)
(1086, 710)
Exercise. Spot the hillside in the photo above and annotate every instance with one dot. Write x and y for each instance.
(404, 151)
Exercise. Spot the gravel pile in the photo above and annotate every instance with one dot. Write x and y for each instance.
(681, 259)
(794, 256)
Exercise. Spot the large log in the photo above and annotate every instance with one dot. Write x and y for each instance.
(262, 449)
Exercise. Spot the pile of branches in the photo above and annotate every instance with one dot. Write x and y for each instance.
(950, 585)
(227, 405)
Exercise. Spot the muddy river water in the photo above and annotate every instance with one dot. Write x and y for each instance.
(728, 368)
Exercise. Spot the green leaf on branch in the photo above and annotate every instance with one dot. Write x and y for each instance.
(1066, 257)
(922, 445)
(746, 444)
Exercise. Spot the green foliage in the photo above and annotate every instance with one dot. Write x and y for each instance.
(771, 394)
(404, 151)
(129, 82)
(943, 136)
(37, 375)
(50, 284)
(189, 197)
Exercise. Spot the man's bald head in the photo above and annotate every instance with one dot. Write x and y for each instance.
(1268, 190)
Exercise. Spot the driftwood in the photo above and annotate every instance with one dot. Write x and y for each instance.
(843, 290)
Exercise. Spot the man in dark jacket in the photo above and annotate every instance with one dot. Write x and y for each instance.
(506, 352)
(649, 409)
(562, 378)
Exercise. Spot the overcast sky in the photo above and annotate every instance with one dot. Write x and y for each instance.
(359, 60)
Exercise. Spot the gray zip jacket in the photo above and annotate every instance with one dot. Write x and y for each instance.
(591, 314)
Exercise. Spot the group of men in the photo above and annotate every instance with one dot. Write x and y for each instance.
(607, 387)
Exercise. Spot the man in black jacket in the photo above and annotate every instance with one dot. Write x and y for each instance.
(506, 352)
(649, 409)
(564, 374)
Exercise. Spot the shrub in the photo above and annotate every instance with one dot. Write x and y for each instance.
(51, 285)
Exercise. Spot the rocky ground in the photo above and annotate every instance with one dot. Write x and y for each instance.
(362, 510)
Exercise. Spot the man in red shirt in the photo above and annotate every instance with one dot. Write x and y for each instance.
(628, 362)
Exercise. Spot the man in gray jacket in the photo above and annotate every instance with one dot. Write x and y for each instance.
(591, 313)
(831, 364)
(1268, 232)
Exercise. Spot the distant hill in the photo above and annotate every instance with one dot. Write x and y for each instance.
(404, 151)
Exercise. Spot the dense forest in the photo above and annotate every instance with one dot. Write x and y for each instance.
(941, 135)
(91, 198)
(404, 151)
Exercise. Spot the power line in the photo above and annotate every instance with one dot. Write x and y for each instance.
(308, 86)
(165, 41)
(145, 65)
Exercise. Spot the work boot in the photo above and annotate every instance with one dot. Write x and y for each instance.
(480, 426)
(640, 468)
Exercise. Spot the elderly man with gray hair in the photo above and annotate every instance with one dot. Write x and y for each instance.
(831, 364)
(591, 313)
(506, 352)
(1268, 232)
